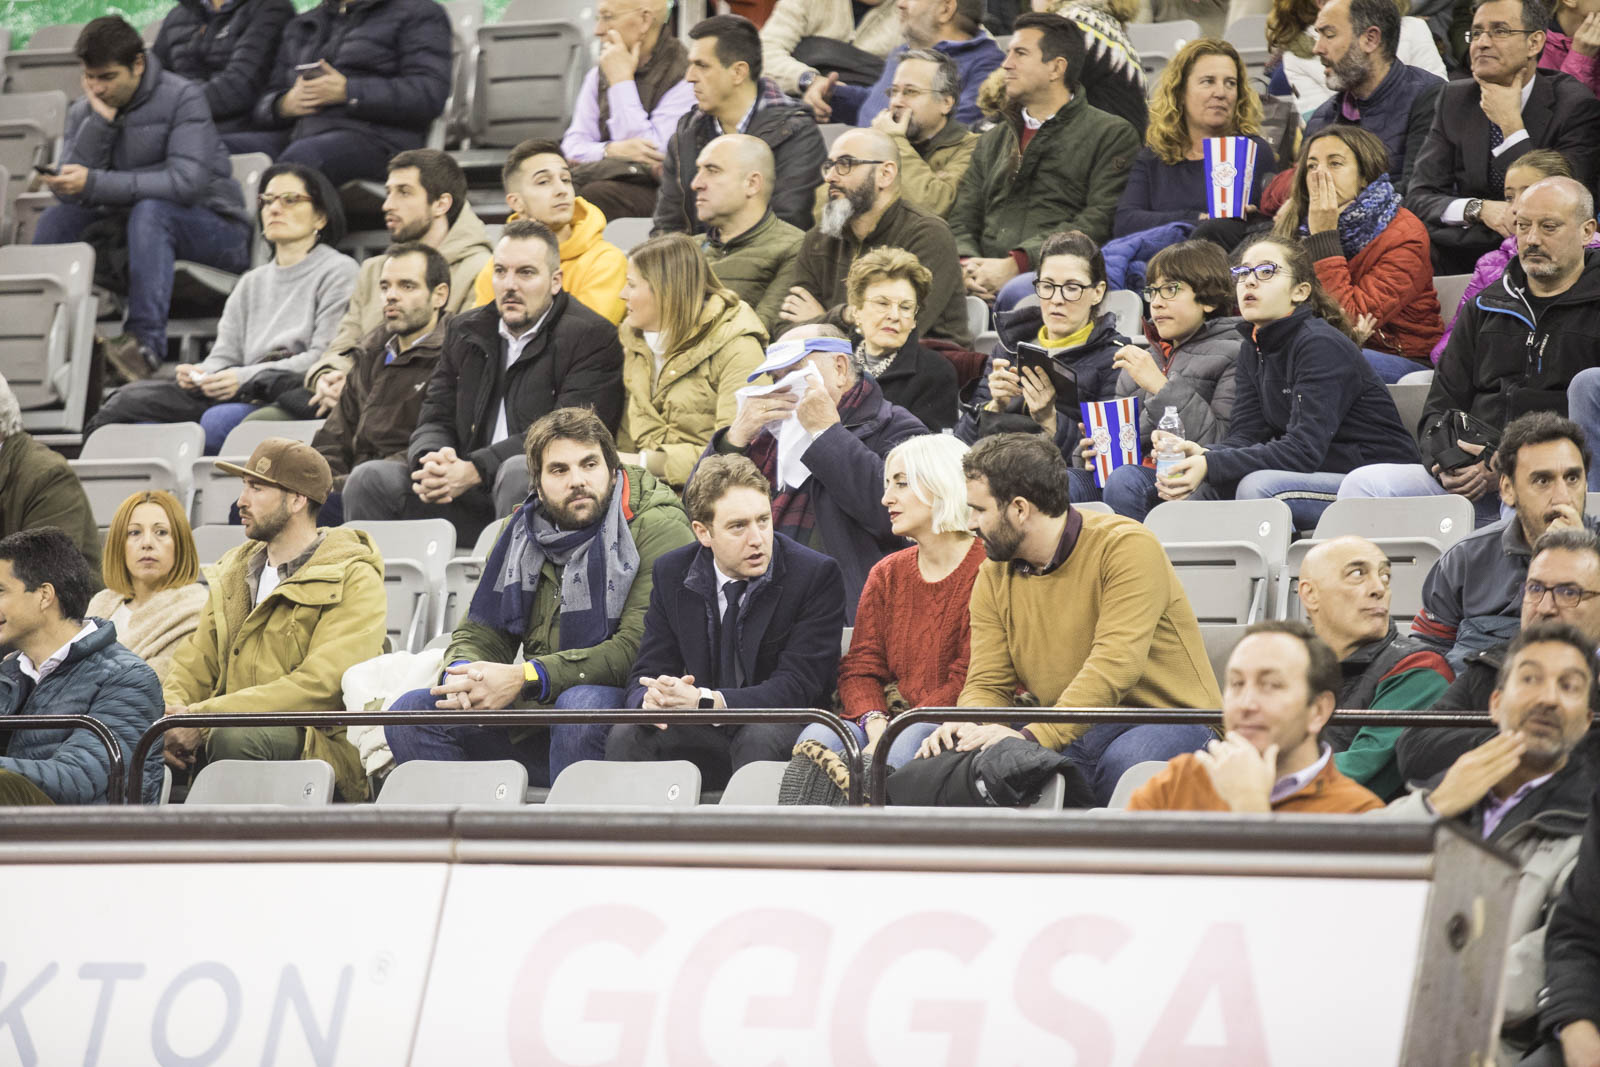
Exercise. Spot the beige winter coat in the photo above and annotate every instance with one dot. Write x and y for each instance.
(157, 627)
(878, 33)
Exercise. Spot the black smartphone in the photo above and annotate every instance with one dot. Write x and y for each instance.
(47, 168)
(309, 71)
(1066, 383)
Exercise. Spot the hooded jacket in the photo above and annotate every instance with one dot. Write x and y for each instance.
(1390, 279)
(759, 264)
(658, 525)
(377, 411)
(592, 268)
(574, 361)
(395, 54)
(1503, 360)
(101, 679)
(1200, 383)
(1306, 402)
(1486, 272)
(290, 652)
(162, 146)
(675, 409)
(1559, 55)
(465, 247)
(38, 488)
(797, 152)
(1069, 178)
(228, 51)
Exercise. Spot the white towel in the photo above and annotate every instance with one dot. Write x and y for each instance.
(793, 438)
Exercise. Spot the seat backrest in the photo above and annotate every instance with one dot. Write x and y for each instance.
(498, 782)
(1162, 38)
(40, 70)
(578, 12)
(1225, 553)
(1446, 518)
(247, 171)
(628, 234)
(1591, 503)
(1409, 400)
(429, 542)
(1267, 523)
(60, 35)
(1098, 507)
(175, 442)
(1410, 561)
(289, 783)
(1220, 639)
(666, 784)
(215, 490)
(1132, 779)
(31, 125)
(1450, 288)
(1052, 795)
(415, 553)
(832, 131)
(755, 783)
(526, 77)
(45, 305)
(212, 542)
(977, 315)
(1127, 307)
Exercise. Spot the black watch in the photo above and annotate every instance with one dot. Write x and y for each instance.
(805, 81)
(707, 704)
(1473, 209)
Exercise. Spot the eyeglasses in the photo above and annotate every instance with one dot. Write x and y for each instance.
(1498, 33)
(883, 305)
(1168, 291)
(1567, 595)
(845, 164)
(908, 92)
(1071, 292)
(286, 199)
(1262, 271)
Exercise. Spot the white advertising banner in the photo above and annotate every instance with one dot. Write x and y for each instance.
(197, 964)
(568, 965)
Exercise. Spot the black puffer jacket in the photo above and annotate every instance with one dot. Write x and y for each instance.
(227, 51)
(575, 361)
(1572, 941)
(395, 54)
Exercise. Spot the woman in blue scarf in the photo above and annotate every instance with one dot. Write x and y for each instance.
(1371, 255)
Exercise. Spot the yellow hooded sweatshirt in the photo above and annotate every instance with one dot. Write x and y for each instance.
(592, 268)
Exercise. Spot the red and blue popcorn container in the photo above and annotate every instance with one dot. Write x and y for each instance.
(1230, 173)
(1113, 426)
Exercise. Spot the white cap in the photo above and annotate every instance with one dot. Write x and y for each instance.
(781, 354)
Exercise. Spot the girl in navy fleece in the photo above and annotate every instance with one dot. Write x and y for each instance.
(1309, 408)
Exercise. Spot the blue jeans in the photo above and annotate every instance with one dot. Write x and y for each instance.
(1014, 292)
(1130, 491)
(1384, 480)
(1106, 751)
(546, 753)
(154, 400)
(903, 751)
(1308, 495)
(160, 232)
(1391, 368)
(1583, 407)
(218, 421)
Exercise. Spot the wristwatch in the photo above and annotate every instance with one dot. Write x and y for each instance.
(707, 701)
(805, 81)
(1470, 213)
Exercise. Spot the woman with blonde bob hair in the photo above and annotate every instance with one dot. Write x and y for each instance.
(1204, 92)
(910, 644)
(884, 292)
(688, 346)
(150, 568)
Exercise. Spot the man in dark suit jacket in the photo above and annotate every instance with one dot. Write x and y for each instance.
(744, 619)
(1484, 125)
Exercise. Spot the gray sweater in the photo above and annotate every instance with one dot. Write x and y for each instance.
(283, 309)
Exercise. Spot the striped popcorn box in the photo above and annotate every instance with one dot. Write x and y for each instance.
(1230, 170)
(1113, 426)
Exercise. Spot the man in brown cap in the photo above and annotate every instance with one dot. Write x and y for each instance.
(290, 611)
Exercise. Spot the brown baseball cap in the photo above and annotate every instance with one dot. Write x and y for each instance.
(290, 465)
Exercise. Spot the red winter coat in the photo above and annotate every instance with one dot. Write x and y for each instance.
(1391, 279)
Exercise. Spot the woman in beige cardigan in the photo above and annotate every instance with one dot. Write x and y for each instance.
(150, 568)
(688, 347)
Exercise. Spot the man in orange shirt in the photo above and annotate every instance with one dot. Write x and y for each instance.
(1277, 696)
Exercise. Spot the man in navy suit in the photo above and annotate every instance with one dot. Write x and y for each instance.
(745, 619)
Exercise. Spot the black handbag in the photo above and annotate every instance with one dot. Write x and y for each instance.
(1443, 435)
(829, 56)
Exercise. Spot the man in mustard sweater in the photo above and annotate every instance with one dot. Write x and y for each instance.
(1081, 610)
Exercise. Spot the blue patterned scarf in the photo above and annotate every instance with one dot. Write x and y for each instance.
(598, 563)
(1372, 210)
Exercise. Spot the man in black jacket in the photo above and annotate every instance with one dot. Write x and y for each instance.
(1484, 125)
(731, 96)
(227, 49)
(503, 366)
(1569, 1003)
(744, 619)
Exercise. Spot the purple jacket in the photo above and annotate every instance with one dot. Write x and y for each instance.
(1490, 266)
(1558, 55)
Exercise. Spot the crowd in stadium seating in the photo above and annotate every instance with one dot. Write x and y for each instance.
(701, 458)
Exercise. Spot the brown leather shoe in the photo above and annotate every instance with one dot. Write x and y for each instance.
(130, 359)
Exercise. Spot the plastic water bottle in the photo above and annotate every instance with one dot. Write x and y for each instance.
(1170, 451)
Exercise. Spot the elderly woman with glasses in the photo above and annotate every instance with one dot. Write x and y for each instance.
(1190, 368)
(884, 290)
(1060, 337)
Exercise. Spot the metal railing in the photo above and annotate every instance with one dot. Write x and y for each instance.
(1131, 716)
(116, 769)
(553, 717)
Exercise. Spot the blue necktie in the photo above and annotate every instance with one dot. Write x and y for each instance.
(1497, 173)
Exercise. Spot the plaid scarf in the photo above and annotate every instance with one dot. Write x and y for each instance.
(1367, 216)
(794, 512)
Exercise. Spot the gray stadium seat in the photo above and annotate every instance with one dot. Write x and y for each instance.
(126, 458)
(977, 315)
(1249, 36)
(461, 576)
(666, 784)
(211, 543)
(1099, 507)
(449, 782)
(1226, 552)
(755, 784)
(832, 131)
(48, 312)
(285, 783)
(40, 70)
(1409, 400)
(1052, 796)
(1132, 779)
(524, 78)
(1450, 287)
(59, 35)
(1158, 42)
(628, 234)
(31, 125)
(414, 552)
(199, 291)
(216, 492)
(1220, 639)
(1127, 307)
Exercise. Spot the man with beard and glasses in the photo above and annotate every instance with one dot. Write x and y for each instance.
(1079, 610)
(378, 410)
(1526, 792)
(290, 611)
(1356, 40)
(503, 366)
(557, 617)
(864, 211)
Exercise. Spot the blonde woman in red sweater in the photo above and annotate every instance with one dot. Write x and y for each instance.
(911, 632)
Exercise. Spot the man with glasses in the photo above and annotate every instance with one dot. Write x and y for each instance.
(864, 211)
(627, 107)
(1484, 125)
(731, 96)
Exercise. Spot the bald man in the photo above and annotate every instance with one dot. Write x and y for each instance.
(1344, 588)
(865, 211)
(751, 249)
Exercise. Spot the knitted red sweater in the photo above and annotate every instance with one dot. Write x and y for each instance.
(910, 632)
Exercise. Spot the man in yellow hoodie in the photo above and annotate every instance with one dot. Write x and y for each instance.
(538, 186)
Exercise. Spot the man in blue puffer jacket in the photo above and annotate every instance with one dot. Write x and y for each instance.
(141, 151)
(65, 664)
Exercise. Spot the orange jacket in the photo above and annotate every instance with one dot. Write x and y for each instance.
(1185, 786)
